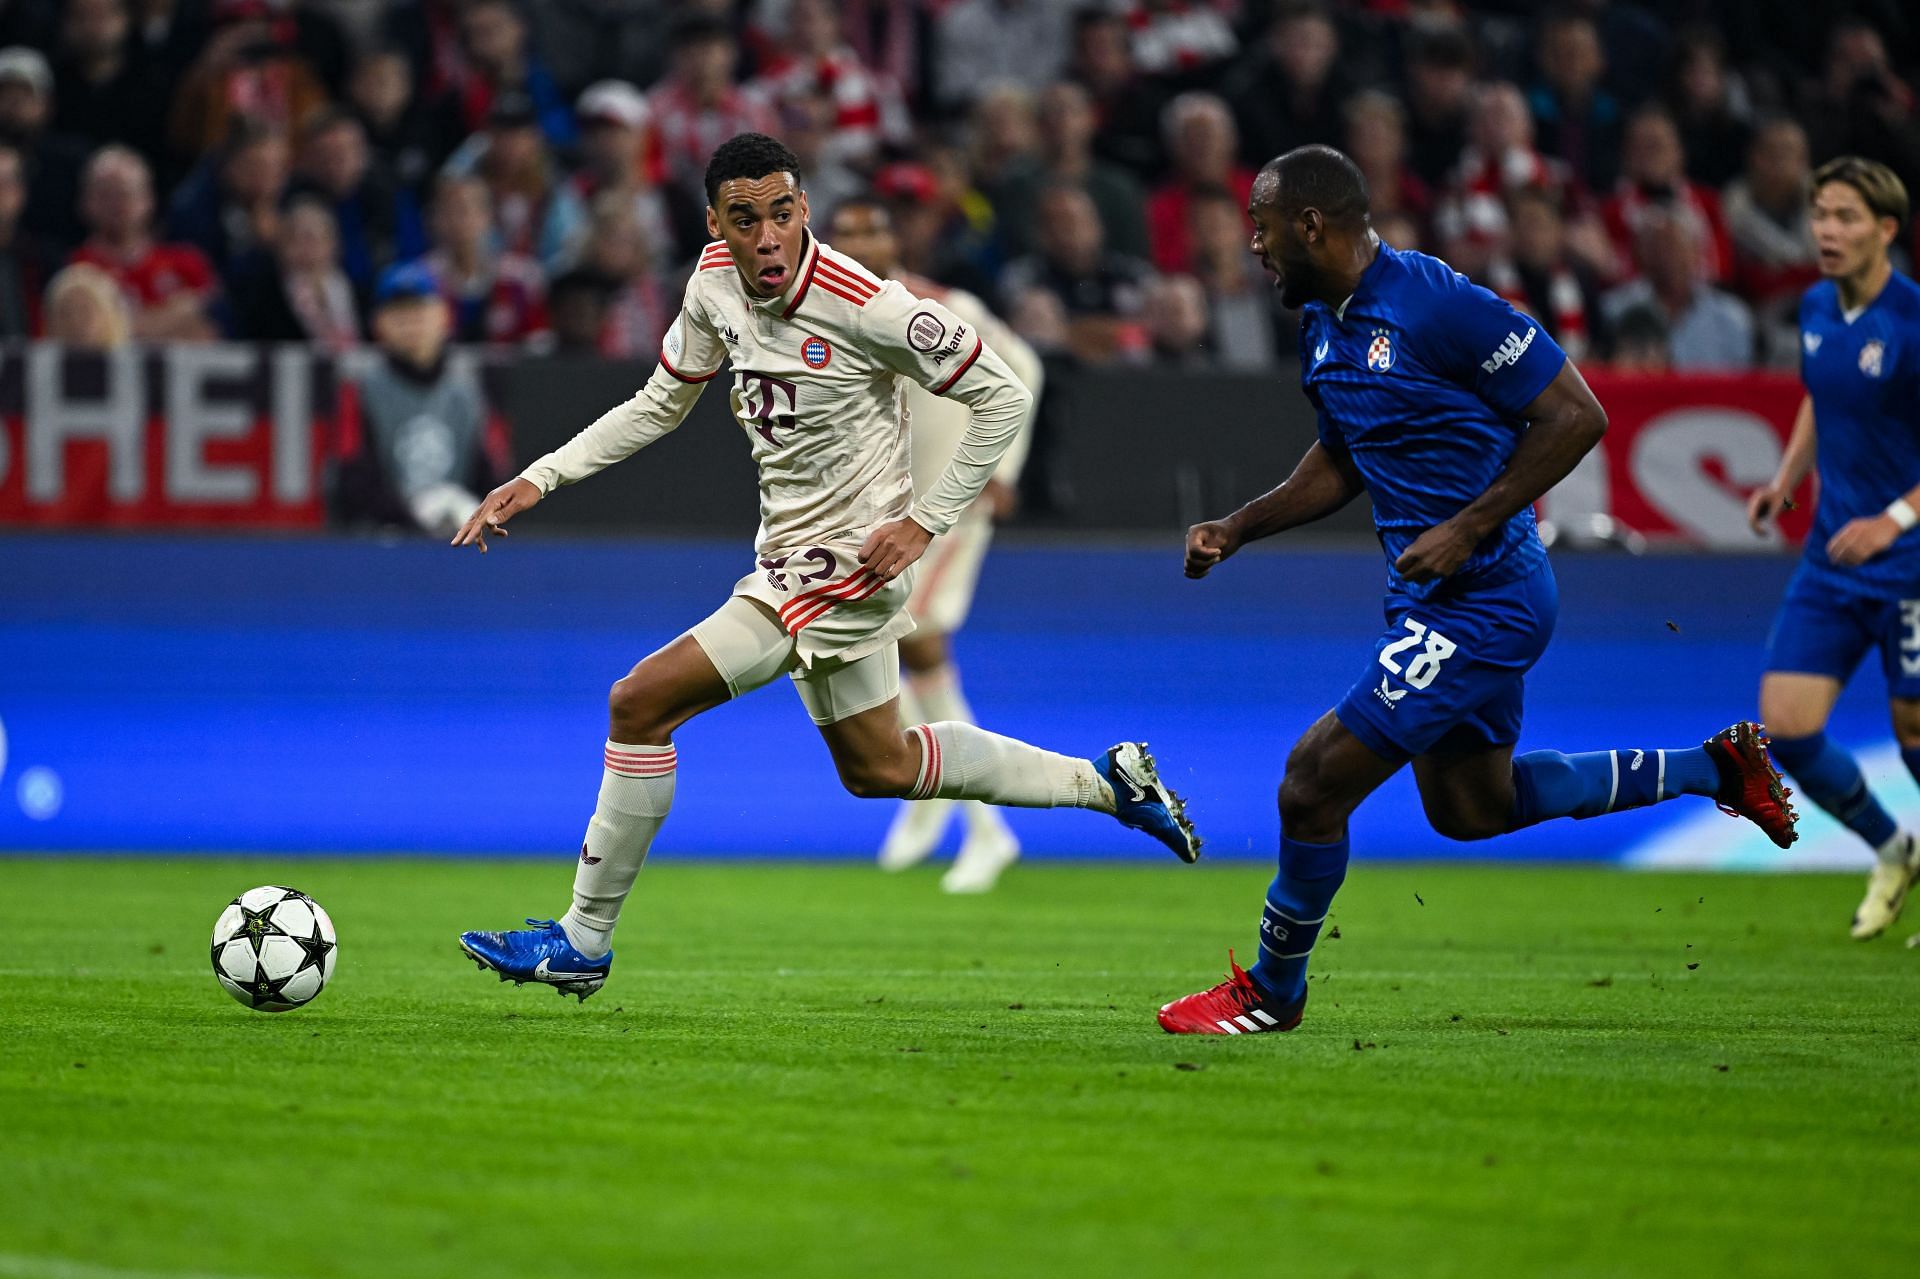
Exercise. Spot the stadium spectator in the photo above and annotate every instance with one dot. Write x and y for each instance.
(536, 212)
(1127, 104)
(496, 297)
(1003, 139)
(378, 222)
(251, 68)
(429, 32)
(1540, 275)
(945, 228)
(637, 308)
(407, 135)
(417, 441)
(1706, 328)
(1066, 156)
(1861, 106)
(869, 113)
(1180, 39)
(1439, 100)
(1206, 153)
(1711, 107)
(101, 91)
(1176, 318)
(696, 108)
(493, 36)
(1287, 91)
(53, 159)
(298, 291)
(806, 126)
(613, 143)
(1376, 138)
(229, 204)
(1653, 180)
(26, 264)
(1576, 119)
(1241, 313)
(1640, 341)
(577, 309)
(1770, 222)
(1470, 221)
(987, 43)
(170, 289)
(1101, 292)
(85, 309)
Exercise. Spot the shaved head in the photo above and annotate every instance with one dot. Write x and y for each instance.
(1314, 177)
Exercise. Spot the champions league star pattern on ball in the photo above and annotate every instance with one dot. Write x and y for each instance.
(273, 948)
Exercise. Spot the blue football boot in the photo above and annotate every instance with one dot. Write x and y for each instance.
(541, 953)
(1141, 800)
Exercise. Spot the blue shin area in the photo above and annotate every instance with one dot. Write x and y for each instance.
(335, 695)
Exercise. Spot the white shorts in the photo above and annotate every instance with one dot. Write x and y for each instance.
(835, 610)
(947, 575)
(749, 647)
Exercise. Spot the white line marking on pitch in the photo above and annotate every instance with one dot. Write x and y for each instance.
(16, 1267)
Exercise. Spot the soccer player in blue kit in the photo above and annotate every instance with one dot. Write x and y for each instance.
(1858, 587)
(1454, 412)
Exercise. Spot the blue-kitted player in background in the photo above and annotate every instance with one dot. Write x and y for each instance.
(1858, 587)
(1455, 413)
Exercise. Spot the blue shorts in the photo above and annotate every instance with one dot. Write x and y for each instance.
(1451, 672)
(1824, 629)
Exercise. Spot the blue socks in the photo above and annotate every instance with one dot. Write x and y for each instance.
(1829, 777)
(1297, 901)
(1547, 784)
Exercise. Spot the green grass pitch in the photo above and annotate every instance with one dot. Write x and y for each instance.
(820, 1070)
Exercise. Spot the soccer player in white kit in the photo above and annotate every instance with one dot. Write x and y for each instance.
(817, 346)
(946, 577)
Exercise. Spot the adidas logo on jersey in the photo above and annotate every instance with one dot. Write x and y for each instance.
(1509, 351)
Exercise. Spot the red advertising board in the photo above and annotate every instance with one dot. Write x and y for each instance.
(194, 434)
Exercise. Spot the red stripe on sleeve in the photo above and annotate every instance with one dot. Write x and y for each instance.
(690, 378)
(957, 372)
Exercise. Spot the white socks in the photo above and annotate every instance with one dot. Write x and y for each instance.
(960, 761)
(1896, 850)
(936, 695)
(635, 793)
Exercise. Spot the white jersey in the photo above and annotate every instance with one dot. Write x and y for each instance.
(937, 422)
(815, 385)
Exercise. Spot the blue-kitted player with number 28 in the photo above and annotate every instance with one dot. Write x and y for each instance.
(1454, 412)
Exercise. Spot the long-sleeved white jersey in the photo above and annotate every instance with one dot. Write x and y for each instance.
(939, 423)
(816, 375)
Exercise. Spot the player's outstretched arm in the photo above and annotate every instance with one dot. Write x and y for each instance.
(1323, 482)
(501, 505)
(1564, 422)
(1776, 495)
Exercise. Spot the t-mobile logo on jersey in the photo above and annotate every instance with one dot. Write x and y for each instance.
(764, 404)
(1509, 351)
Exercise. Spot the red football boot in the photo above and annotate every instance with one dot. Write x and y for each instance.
(1750, 785)
(1237, 1006)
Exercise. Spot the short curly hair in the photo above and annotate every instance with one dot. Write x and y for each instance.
(749, 155)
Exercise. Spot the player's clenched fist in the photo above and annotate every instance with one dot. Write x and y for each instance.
(1763, 507)
(891, 549)
(1208, 544)
(501, 505)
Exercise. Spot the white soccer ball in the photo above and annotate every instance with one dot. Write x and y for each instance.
(273, 948)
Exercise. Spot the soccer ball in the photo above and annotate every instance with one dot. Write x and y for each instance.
(273, 948)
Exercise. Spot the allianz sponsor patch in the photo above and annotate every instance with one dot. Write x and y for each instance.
(1509, 351)
(925, 331)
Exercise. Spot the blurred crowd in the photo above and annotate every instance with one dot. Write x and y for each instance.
(1634, 176)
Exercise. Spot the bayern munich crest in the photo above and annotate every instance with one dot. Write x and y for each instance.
(1380, 353)
(815, 352)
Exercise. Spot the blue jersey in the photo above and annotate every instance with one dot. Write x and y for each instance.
(1864, 377)
(1422, 378)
